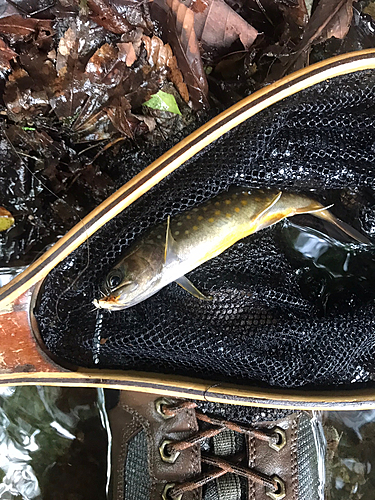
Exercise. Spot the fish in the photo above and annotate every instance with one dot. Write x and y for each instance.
(167, 252)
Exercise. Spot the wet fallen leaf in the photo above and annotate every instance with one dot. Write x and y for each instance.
(163, 102)
(19, 27)
(136, 13)
(80, 40)
(102, 63)
(340, 23)
(69, 93)
(6, 219)
(295, 11)
(121, 117)
(6, 55)
(24, 97)
(126, 53)
(330, 18)
(218, 26)
(105, 15)
(161, 57)
(178, 23)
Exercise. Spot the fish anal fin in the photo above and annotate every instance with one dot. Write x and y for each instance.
(189, 287)
(170, 251)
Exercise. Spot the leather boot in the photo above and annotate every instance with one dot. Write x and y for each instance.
(185, 450)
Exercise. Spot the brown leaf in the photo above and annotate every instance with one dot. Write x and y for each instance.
(24, 97)
(4, 212)
(178, 21)
(20, 27)
(106, 16)
(121, 117)
(295, 11)
(327, 18)
(73, 87)
(126, 53)
(217, 25)
(102, 62)
(135, 12)
(6, 55)
(96, 127)
(69, 94)
(81, 39)
(160, 56)
(340, 23)
(326, 14)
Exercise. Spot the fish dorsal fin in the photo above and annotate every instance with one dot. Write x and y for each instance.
(170, 251)
(189, 287)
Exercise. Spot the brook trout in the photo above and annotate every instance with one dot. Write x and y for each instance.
(169, 251)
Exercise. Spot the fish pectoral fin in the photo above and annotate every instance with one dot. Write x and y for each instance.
(170, 251)
(189, 287)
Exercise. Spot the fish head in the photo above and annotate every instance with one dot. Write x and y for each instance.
(135, 278)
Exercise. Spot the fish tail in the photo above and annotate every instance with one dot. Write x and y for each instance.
(323, 213)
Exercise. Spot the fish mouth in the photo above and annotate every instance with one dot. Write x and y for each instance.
(108, 303)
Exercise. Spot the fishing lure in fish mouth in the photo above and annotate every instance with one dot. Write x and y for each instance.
(169, 251)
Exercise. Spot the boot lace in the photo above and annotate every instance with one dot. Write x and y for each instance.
(170, 450)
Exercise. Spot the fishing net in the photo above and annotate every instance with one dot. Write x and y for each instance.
(266, 323)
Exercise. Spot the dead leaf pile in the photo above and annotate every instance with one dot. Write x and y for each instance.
(195, 27)
(78, 77)
(83, 90)
(95, 91)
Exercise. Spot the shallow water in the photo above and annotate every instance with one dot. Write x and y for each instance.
(53, 444)
(329, 271)
(350, 459)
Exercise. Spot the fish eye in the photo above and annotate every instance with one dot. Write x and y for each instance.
(114, 278)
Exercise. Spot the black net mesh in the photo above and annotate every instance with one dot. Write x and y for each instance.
(261, 326)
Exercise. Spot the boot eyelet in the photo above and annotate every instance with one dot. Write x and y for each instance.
(166, 496)
(159, 403)
(170, 458)
(280, 441)
(280, 492)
